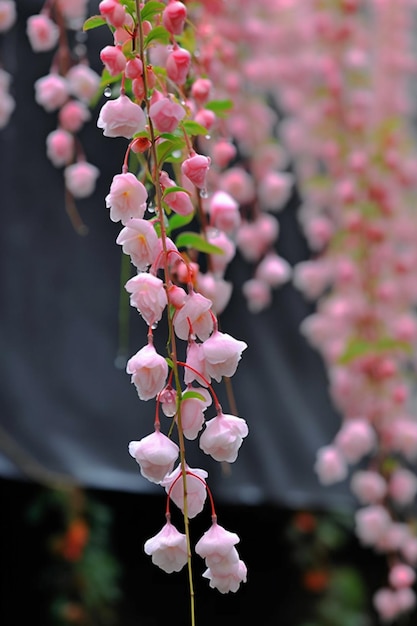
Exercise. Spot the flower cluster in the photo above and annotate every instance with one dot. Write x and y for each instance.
(66, 91)
(159, 87)
(352, 62)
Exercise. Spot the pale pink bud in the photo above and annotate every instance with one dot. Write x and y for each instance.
(140, 241)
(42, 32)
(192, 411)
(223, 152)
(257, 293)
(155, 454)
(194, 317)
(178, 64)
(149, 371)
(273, 270)
(222, 354)
(134, 68)
(127, 198)
(219, 261)
(168, 549)
(216, 289)
(168, 401)
(223, 437)
(7, 15)
(368, 486)
(205, 118)
(113, 12)
(201, 89)
(195, 168)
(401, 575)
(229, 581)
(73, 115)
(196, 365)
(174, 16)
(224, 212)
(330, 465)
(371, 523)
(355, 439)
(166, 115)
(312, 277)
(121, 118)
(80, 178)
(274, 190)
(60, 147)
(180, 202)
(195, 488)
(402, 486)
(113, 59)
(83, 82)
(215, 544)
(239, 183)
(51, 92)
(177, 296)
(148, 295)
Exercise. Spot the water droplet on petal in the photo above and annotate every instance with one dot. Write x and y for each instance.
(107, 91)
(154, 326)
(207, 136)
(151, 208)
(204, 193)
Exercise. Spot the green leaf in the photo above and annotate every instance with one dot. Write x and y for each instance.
(165, 150)
(178, 221)
(150, 9)
(193, 394)
(170, 362)
(174, 190)
(194, 128)
(196, 241)
(220, 107)
(360, 347)
(94, 22)
(158, 34)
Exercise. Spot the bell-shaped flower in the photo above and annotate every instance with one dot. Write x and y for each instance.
(121, 118)
(149, 371)
(127, 198)
(371, 523)
(42, 32)
(148, 295)
(166, 115)
(168, 549)
(177, 65)
(330, 465)
(355, 439)
(192, 410)
(224, 212)
(80, 178)
(195, 488)
(229, 580)
(196, 364)
(174, 16)
(155, 454)
(223, 437)
(368, 486)
(195, 168)
(140, 241)
(216, 544)
(194, 318)
(222, 353)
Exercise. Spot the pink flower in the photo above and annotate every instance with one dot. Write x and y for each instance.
(80, 178)
(140, 241)
(223, 437)
(113, 12)
(197, 365)
(113, 59)
(177, 65)
(42, 32)
(195, 168)
(73, 115)
(156, 455)
(168, 549)
(60, 147)
(257, 293)
(83, 82)
(385, 603)
(148, 295)
(216, 544)
(216, 289)
(371, 523)
(402, 486)
(223, 152)
(368, 486)
(224, 212)
(229, 581)
(7, 15)
(74, 12)
(174, 16)
(194, 317)
(166, 115)
(273, 270)
(192, 411)
(201, 89)
(222, 353)
(121, 118)
(134, 68)
(275, 189)
(127, 198)
(330, 466)
(238, 183)
(220, 260)
(51, 92)
(195, 487)
(355, 439)
(149, 372)
(401, 575)
(178, 201)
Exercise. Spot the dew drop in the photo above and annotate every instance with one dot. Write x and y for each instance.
(207, 136)
(107, 91)
(151, 208)
(204, 193)
(154, 326)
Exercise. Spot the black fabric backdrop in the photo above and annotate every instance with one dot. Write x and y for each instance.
(64, 406)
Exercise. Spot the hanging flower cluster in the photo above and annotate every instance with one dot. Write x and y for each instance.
(158, 87)
(66, 91)
(7, 102)
(356, 164)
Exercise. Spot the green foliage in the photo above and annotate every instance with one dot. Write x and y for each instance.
(220, 107)
(94, 22)
(159, 34)
(198, 242)
(150, 9)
